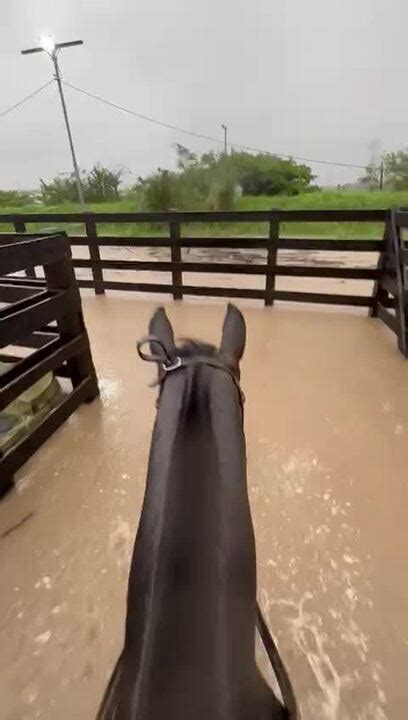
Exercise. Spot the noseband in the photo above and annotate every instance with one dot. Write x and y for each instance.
(168, 364)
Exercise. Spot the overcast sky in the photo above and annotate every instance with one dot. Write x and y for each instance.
(321, 79)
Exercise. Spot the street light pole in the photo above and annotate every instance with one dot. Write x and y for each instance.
(70, 140)
(52, 49)
(225, 128)
(382, 175)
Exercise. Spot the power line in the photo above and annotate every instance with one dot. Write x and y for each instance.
(300, 159)
(202, 135)
(24, 100)
(142, 117)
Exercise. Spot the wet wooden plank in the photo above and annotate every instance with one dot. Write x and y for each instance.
(187, 289)
(30, 369)
(20, 323)
(32, 284)
(23, 303)
(361, 215)
(235, 268)
(12, 292)
(271, 260)
(122, 241)
(37, 339)
(92, 235)
(177, 275)
(239, 243)
(15, 257)
(356, 273)
(331, 245)
(225, 292)
(323, 298)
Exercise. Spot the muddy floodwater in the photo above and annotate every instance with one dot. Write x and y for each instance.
(326, 422)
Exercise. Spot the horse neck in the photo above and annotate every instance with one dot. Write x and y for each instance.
(192, 584)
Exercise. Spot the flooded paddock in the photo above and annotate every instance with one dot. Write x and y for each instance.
(327, 431)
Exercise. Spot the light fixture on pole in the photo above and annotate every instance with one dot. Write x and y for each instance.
(225, 128)
(52, 48)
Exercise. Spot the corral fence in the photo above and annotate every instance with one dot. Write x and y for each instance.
(388, 300)
(44, 321)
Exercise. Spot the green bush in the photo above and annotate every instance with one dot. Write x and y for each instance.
(99, 185)
(210, 182)
(15, 198)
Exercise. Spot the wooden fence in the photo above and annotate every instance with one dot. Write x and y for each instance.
(391, 288)
(45, 315)
(386, 305)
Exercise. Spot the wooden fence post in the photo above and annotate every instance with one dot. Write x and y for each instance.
(272, 248)
(379, 294)
(60, 275)
(401, 309)
(94, 254)
(20, 227)
(177, 275)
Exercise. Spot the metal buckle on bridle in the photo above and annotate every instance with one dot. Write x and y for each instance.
(163, 358)
(168, 364)
(168, 367)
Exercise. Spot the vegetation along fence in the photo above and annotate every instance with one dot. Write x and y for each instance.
(183, 230)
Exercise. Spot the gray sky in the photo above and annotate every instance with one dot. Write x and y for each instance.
(323, 79)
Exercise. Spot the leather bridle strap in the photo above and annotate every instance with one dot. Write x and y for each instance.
(168, 364)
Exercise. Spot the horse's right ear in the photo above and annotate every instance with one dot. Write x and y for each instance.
(160, 327)
(233, 334)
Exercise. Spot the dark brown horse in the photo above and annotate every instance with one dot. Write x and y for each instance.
(189, 651)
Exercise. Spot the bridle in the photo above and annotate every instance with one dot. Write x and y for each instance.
(168, 364)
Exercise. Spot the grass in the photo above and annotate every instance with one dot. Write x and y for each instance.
(331, 200)
(325, 199)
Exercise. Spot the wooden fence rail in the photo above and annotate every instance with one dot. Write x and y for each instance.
(389, 306)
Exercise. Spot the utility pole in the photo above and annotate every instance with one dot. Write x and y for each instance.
(382, 175)
(225, 128)
(48, 46)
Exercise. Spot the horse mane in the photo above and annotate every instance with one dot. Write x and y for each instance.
(196, 348)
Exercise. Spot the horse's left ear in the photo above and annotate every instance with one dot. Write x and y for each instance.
(233, 334)
(160, 327)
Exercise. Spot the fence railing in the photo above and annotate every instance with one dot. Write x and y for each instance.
(176, 240)
(388, 300)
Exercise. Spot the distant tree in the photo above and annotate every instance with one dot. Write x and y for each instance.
(371, 179)
(98, 184)
(102, 184)
(59, 190)
(396, 169)
(264, 174)
(213, 180)
(160, 191)
(16, 198)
